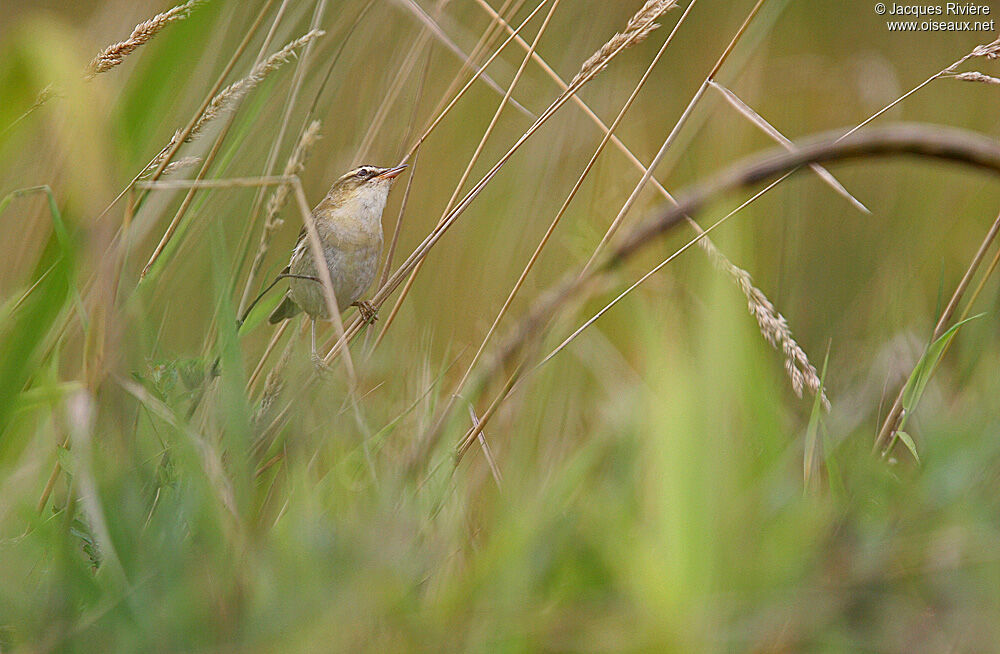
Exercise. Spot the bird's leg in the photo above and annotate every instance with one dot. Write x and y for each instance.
(316, 358)
(369, 313)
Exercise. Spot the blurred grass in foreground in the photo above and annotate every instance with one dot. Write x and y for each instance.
(652, 494)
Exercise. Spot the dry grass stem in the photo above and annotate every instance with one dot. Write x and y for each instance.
(431, 437)
(938, 143)
(989, 50)
(487, 450)
(298, 78)
(113, 55)
(273, 384)
(440, 115)
(279, 197)
(886, 438)
(271, 344)
(760, 122)
(43, 96)
(672, 135)
(471, 163)
(636, 30)
(452, 47)
(638, 27)
(227, 99)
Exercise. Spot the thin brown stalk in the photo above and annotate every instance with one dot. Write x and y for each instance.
(965, 314)
(675, 130)
(472, 162)
(394, 241)
(398, 227)
(298, 77)
(440, 115)
(583, 106)
(258, 370)
(278, 199)
(487, 451)
(273, 385)
(114, 54)
(431, 239)
(717, 257)
(450, 45)
(935, 143)
(430, 438)
(166, 158)
(43, 96)
(225, 102)
(989, 50)
(770, 130)
(174, 166)
(482, 44)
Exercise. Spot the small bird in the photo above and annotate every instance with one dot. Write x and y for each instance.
(349, 223)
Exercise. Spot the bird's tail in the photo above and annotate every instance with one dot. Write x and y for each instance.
(285, 310)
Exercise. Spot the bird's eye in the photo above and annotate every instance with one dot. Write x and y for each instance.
(363, 172)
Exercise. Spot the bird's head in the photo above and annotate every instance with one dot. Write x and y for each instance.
(365, 184)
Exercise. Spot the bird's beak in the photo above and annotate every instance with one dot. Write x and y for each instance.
(391, 173)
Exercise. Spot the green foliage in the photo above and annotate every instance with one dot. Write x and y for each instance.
(33, 321)
(812, 429)
(917, 382)
(161, 492)
(921, 375)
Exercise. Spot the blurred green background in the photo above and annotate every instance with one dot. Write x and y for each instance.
(652, 494)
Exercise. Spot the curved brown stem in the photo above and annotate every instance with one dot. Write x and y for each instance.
(928, 141)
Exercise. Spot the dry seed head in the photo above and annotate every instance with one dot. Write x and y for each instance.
(638, 28)
(113, 55)
(988, 50)
(280, 195)
(773, 326)
(174, 166)
(977, 77)
(277, 201)
(227, 99)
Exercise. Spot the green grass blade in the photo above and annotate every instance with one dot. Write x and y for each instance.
(910, 445)
(37, 315)
(812, 430)
(922, 372)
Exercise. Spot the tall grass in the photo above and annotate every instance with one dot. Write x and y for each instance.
(173, 481)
